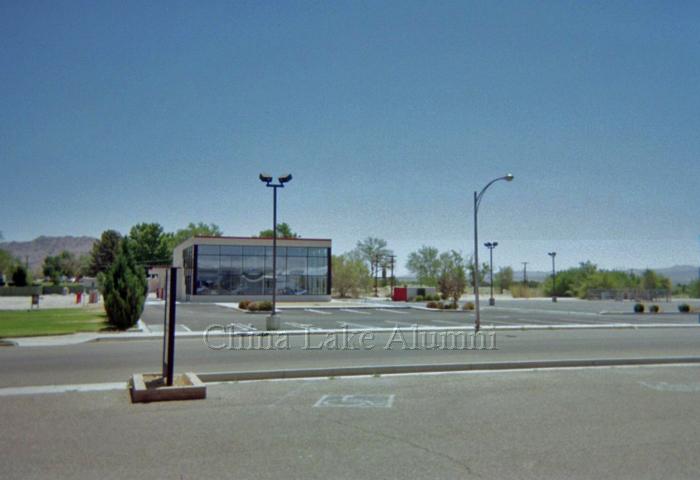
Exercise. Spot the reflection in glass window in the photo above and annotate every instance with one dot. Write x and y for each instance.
(296, 251)
(318, 266)
(254, 251)
(317, 285)
(295, 285)
(318, 252)
(208, 249)
(296, 265)
(231, 250)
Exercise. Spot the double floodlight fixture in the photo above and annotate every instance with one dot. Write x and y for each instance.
(491, 245)
(267, 178)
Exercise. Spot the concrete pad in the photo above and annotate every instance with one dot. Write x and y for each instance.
(150, 387)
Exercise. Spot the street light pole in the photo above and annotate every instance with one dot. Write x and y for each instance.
(491, 246)
(477, 202)
(272, 323)
(554, 276)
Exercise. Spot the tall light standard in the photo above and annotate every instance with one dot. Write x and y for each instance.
(272, 322)
(554, 276)
(477, 202)
(491, 246)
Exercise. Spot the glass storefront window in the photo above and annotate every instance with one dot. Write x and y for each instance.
(247, 270)
(208, 249)
(231, 250)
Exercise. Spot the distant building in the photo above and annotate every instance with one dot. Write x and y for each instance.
(214, 269)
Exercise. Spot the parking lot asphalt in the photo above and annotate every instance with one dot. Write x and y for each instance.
(200, 316)
(598, 423)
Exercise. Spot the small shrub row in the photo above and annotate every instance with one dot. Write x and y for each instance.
(264, 306)
(468, 306)
(441, 305)
(640, 308)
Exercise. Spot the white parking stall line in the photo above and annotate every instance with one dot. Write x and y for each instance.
(349, 310)
(243, 327)
(397, 323)
(185, 328)
(353, 325)
(452, 323)
(303, 326)
(320, 312)
(391, 310)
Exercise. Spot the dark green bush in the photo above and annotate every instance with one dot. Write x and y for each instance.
(265, 306)
(684, 308)
(638, 308)
(244, 304)
(654, 309)
(124, 290)
(419, 298)
(19, 276)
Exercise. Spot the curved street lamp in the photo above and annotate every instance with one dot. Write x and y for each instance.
(477, 201)
(272, 323)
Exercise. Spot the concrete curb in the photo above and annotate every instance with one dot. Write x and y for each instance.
(604, 312)
(370, 370)
(79, 338)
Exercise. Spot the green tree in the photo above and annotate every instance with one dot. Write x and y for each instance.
(19, 276)
(452, 277)
(124, 288)
(283, 231)
(104, 251)
(694, 289)
(504, 278)
(192, 230)
(8, 263)
(425, 265)
(483, 271)
(350, 275)
(373, 251)
(63, 264)
(149, 244)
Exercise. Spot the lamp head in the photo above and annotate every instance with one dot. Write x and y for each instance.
(509, 177)
(265, 177)
(285, 178)
(552, 254)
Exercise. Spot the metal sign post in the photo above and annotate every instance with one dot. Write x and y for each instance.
(169, 327)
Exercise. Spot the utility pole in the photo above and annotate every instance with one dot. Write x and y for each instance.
(392, 258)
(525, 272)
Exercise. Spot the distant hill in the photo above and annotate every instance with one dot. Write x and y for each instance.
(41, 247)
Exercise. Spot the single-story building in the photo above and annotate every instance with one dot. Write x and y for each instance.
(231, 269)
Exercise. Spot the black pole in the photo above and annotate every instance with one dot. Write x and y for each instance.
(554, 276)
(274, 251)
(492, 301)
(171, 326)
(376, 268)
(391, 280)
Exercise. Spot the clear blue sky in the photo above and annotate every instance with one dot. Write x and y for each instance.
(388, 114)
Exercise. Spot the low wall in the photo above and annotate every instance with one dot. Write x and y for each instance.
(39, 290)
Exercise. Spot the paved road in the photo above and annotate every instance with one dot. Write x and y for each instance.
(636, 423)
(112, 361)
(197, 317)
